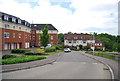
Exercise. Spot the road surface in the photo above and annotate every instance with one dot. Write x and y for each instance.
(72, 65)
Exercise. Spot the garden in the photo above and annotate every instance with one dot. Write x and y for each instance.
(25, 55)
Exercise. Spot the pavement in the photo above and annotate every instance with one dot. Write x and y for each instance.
(113, 65)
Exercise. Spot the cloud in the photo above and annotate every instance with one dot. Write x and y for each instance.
(86, 14)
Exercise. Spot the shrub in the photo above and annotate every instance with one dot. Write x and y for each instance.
(33, 53)
(40, 50)
(21, 59)
(51, 49)
(19, 51)
(8, 56)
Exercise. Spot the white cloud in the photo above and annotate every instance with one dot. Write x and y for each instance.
(85, 16)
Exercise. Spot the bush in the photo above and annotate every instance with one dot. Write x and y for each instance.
(21, 59)
(51, 49)
(19, 51)
(8, 56)
(40, 50)
(33, 53)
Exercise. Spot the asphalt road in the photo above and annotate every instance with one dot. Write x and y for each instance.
(71, 65)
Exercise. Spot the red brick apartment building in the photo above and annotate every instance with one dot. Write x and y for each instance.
(37, 31)
(16, 33)
(74, 40)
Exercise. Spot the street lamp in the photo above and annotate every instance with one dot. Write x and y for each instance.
(93, 43)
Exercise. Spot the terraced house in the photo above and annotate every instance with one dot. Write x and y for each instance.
(16, 33)
(75, 40)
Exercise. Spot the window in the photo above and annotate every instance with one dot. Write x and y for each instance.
(13, 19)
(91, 39)
(83, 38)
(67, 37)
(6, 26)
(74, 41)
(19, 21)
(13, 27)
(25, 36)
(51, 37)
(84, 41)
(13, 35)
(19, 35)
(6, 35)
(70, 42)
(75, 37)
(5, 17)
(19, 28)
(35, 25)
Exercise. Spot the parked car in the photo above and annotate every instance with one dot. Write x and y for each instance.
(67, 50)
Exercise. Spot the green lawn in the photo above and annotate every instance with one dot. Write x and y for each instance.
(104, 56)
(50, 53)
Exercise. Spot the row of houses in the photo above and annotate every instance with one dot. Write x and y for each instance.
(75, 40)
(16, 33)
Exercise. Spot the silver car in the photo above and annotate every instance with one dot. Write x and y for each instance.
(67, 50)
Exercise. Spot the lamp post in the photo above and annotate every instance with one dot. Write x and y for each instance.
(93, 43)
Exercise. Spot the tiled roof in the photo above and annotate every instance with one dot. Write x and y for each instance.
(41, 26)
(79, 36)
(97, 41)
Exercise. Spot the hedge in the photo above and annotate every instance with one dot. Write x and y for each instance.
(8, 56)
(21, 59)
(33, 53)
(19, 51)
(51, 49)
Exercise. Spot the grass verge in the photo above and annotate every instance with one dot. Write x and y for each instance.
(21, 59)
(50, 53)
(104, 56)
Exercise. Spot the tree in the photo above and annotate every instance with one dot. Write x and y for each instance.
(61, 38)
(69, 32)
(44, 38)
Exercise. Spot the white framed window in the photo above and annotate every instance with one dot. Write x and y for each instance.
(75, 37)
(19, 35)
(51, 37)
(6, 17)
(19, 21)
(13, 19)
(6, 35)
(6, 26)
(13, 35)
(74, 41)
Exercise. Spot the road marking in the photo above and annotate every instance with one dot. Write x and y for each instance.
(83, 62)
(94, 63)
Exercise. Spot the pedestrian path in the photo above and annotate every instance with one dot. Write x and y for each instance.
(113, 64)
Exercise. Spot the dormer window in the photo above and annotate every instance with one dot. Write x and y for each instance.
(5, 17)
(19, 21)
(82, 38)
(35, 25)
(67, 37)
(25, 23)
(13, 19)
(75, 37)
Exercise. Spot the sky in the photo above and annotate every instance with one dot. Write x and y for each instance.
(77, 16)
